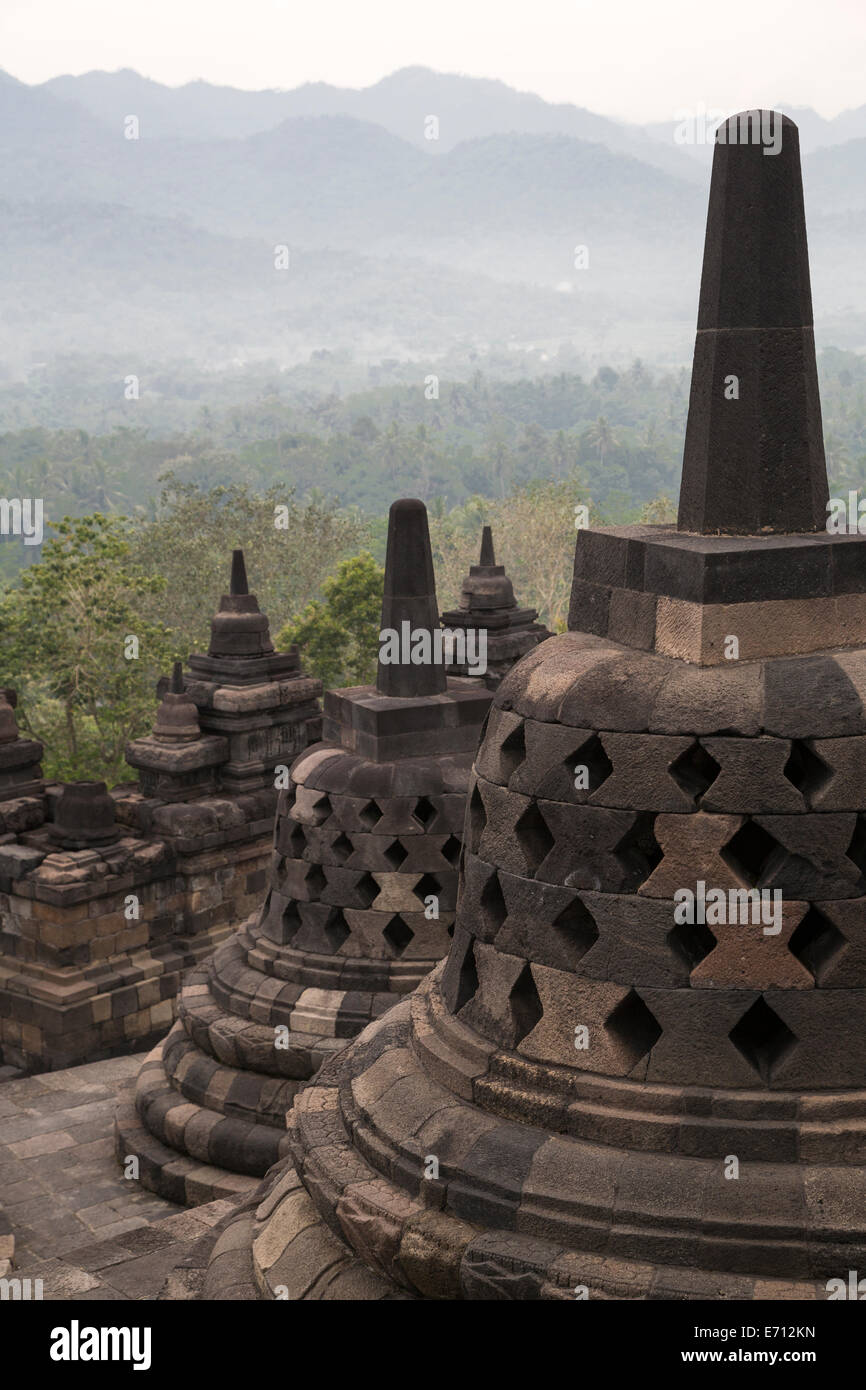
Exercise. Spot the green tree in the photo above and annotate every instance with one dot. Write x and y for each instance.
(660, 511)
(339, 636)
(191, 538)
(600, 436)
(67, 631)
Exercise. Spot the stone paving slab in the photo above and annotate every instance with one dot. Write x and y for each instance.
(78, 1224)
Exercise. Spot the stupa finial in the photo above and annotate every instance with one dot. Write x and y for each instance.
(409, 598)
(754, 453)
(238, 583)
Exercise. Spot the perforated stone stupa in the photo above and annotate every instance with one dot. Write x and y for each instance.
(487, 604)
(359, 907)
(554, 1112)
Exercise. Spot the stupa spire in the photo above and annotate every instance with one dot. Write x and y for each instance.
(487, 604)
(238, 582)
(754, 453)
(409, 598)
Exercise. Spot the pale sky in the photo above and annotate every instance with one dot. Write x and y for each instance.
(636, 59)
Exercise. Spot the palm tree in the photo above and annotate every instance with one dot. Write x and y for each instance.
(602, 437)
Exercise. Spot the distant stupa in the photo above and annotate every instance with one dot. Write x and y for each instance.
(488, 605)
(359, 905)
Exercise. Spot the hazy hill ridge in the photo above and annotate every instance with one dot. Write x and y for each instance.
(169, 241)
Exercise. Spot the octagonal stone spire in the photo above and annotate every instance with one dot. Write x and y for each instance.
(754, 452)
(409, 603)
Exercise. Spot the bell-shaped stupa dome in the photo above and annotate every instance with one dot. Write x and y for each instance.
(359, 904)
(640, 1072)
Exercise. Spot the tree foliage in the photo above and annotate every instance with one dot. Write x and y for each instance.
(339, 635)
(66, 633)
(189, 542)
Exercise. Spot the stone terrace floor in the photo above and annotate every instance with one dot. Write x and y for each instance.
(78, 1224)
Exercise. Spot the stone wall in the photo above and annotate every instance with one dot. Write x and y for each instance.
(81, 976)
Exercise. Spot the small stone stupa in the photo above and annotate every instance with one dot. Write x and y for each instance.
(487, 604)
(604, 1091)
(20, 758)
(177, 762)
(108, 897)
(359, 908)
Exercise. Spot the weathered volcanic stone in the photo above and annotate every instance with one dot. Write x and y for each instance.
(488, 605)
(256, 699)
(106, 898)
(558, 1104)
(359, 906)
(20, 758)
(84, 816)
(756, 463)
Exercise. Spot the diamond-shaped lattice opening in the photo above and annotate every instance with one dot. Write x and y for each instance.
(475, 821)
(691, 942)
(398, 935)
(534, 837)
(753, 853)
(639, 851)
(633, 1027)
(467, 979)
(805, 770)
(576, 925)
(321, 809)
(291, 923)
(335, 930)
(695, 771)
(525, 1004)
(342, 848)
(592, 756)
(856, 851)
(451, 850)
(492, 903)
(316, 880)
(762, 1038)
(367, 889)
(512, 752)
(395, 854)
(369, 815)
(816, 942)
(424, 811)
(297, 841)
(426, 887)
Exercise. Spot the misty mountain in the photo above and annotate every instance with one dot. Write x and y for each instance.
(106, 279)
(467, 108)
(167, 243)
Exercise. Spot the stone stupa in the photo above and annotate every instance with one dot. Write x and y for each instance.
(594, 1097)
(487, 604)
(359, 907)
